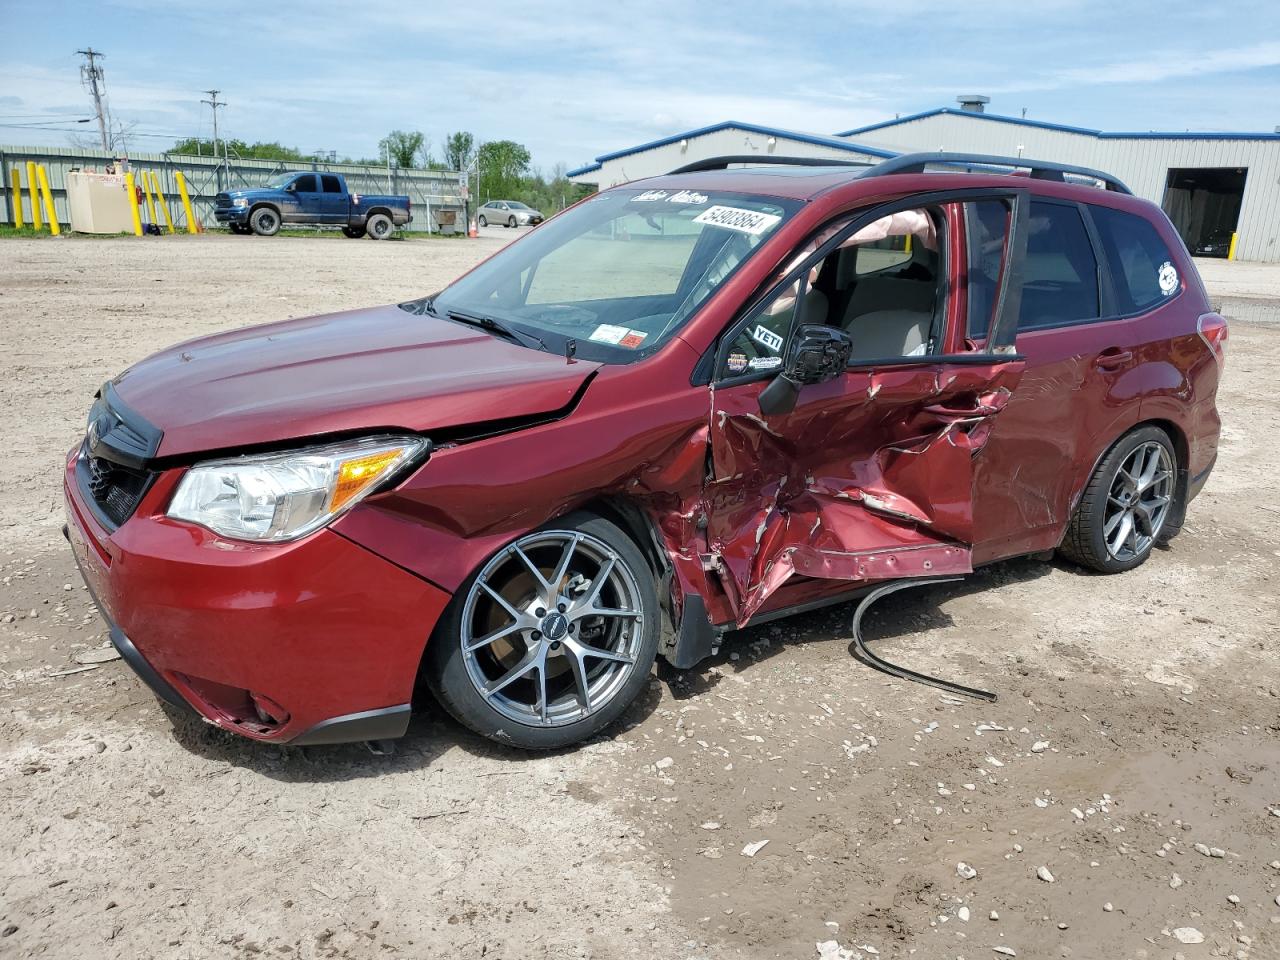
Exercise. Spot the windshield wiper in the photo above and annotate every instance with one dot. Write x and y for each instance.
(495, 326)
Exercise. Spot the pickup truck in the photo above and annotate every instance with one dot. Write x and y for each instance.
(312, 198)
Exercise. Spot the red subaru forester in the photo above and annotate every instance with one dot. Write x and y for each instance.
(680, 407)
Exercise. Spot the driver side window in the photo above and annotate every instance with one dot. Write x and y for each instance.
(884, 285)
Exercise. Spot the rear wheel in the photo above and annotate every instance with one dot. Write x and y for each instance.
(265, 222)
(355, 233)
(552, 639)
(379, 226)
(483, 222)
(1126, 504)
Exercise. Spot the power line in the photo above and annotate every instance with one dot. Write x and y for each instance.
(91, 74)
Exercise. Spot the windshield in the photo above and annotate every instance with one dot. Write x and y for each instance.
(280, 179)
(620, 272)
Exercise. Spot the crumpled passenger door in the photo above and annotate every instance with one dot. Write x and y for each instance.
(870, 477)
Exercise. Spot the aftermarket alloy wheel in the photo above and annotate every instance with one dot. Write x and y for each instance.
(265, 222)
(379, 226)
(551, 639)
(1125, 506)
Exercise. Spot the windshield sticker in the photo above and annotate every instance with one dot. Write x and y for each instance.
(682, 196)
(737, 362)
(766, 363)
(735, 218)
(763, 335)
(618, 336)
(1168, 278)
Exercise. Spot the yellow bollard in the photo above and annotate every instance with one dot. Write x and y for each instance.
(16, 194)
(160, 200)
(1231, 250)
(50, 213)
(36, 220)
(133, 203)
(186, 201)
(146, 192)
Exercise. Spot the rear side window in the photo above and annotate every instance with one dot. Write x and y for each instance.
(1060, 276)
(331, 184)
(1141, 265)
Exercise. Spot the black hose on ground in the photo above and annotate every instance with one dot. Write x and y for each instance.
(863, 652)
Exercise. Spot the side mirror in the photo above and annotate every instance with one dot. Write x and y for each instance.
(817, 353)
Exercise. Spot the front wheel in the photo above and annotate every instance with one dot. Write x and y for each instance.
(1126, 504)
(265, 222)
(551, 640)
(511, 221)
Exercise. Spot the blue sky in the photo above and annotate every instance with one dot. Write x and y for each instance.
(572, 80)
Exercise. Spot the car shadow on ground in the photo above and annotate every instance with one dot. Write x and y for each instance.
(433, 734)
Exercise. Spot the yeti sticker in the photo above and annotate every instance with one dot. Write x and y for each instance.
(767, 338)
(1168, 278)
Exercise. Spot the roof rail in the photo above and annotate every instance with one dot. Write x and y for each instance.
(722, 163)
(1039, 169)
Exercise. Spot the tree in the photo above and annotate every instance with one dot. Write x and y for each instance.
(458, 150)
(404, 148)
(238, 148)
(501, 165)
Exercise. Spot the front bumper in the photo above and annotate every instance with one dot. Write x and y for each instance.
(316, 641)
(231, 214)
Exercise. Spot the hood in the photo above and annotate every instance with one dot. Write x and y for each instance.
(362, 370)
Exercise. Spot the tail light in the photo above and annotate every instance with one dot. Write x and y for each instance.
(1212, 328)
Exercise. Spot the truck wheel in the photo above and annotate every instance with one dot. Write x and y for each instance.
(483, 221)
(355, 233)
(511, 222)
(265, 222)
(379, 226)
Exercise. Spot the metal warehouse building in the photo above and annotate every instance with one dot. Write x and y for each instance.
(1221, 190)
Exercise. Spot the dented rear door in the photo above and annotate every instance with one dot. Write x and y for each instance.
(870, 477)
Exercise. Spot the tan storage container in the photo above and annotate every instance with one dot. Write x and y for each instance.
(99, 203)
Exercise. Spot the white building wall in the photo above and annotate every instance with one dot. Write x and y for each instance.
(729, 142)
(1142, 163)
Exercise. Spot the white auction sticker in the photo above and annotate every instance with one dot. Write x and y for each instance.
(735, 218)
(608, 333)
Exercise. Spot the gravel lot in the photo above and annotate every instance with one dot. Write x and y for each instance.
(1134, 753)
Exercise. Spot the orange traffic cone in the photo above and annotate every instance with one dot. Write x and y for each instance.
(473, 231)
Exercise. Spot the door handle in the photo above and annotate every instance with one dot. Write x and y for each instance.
(958, 413)
(1113, 358)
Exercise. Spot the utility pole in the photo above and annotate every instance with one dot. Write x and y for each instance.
(215, 103)
(91, 76)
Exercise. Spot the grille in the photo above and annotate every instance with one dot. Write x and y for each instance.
(222, 201)
(115, 489)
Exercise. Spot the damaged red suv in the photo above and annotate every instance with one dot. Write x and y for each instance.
(680, 407)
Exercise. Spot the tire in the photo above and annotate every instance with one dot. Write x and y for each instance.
(584, 693)
(1098, 536)
(265, 221)
(482, 221)
(511, 221)
(355, 233)
(379, 226)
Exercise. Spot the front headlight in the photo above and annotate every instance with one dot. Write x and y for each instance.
(284, 496)
(240, 202)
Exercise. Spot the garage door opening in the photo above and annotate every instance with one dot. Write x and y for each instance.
(1204, 205)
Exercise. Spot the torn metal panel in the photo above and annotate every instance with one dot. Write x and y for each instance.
(869, 478)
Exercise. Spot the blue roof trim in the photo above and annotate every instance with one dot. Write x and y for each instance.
(1065, 128)
(819, 141)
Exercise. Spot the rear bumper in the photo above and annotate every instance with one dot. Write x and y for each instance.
(316, 641)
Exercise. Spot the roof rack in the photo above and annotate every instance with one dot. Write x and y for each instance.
(1039, 169)
(722, 163)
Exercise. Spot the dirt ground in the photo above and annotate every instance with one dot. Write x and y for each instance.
(1134, 752)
